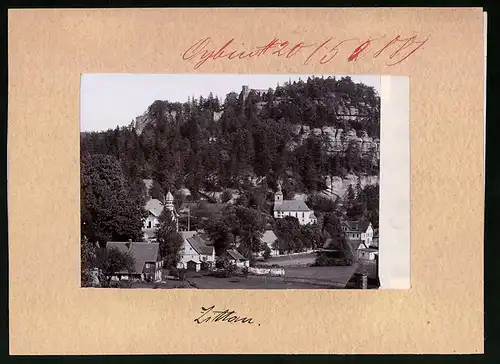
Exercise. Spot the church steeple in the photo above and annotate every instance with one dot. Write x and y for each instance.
(278, 196)
(169, 201)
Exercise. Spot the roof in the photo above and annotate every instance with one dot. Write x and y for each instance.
(197, 242)
(268, 237)
(235, 255)
(210, 208)
(291, 205)
(169, 196)
(142, 252)
(369, 250)
(357, 226)
(154, 206)
(355, 244)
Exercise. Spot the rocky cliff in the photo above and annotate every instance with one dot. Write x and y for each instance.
(338, 186)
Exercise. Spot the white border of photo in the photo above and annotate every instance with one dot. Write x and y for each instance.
(394, 223)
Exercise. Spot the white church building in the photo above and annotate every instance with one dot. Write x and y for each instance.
(294, 208)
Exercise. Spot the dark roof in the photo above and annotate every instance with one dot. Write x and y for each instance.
(235, 255)
(142, 252)
(197, 242)
(369, 250)
(291, 205)
(357, 226)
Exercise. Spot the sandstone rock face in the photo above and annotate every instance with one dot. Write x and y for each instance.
(218, 115)
(340, 140)
(338, 186)
(145, 119)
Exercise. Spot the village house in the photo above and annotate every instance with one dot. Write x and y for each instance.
(237, 259)
(361, 231)
(294, 208)
(269, 238)
(367, 253)
(148, 263)
(155, 207)
(195, 252)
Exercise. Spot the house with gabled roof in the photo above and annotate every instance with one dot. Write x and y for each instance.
(294, 208)
(361, 231)
(237, 259)
(195, 251)
(269, 238)
(147, 261)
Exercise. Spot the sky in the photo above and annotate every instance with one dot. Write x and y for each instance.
(110, 100)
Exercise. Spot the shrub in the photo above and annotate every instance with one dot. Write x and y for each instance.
(267, 252)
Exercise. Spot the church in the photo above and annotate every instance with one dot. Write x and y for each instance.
(294, 208)
(155, 207)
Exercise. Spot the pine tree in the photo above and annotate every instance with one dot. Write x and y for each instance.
(169, 239)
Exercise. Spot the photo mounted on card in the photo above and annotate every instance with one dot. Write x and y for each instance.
(304, 174)
(240, 181)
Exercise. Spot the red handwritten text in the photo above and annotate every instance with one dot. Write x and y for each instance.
(393, 50)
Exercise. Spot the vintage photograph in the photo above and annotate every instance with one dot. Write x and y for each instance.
(230, 181)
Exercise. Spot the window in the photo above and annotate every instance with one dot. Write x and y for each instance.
(303, 215)
(149, 224)
(147, 265)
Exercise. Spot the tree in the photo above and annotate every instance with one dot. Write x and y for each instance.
(156, 191)
(220, 231)
(333, 226)
(88, 262)
(267, 252)
(288, 232)
(108, 209)
(111, 261)
(250, 226)
(169, 239)
(312, 236)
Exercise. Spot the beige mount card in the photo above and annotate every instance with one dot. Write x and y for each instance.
(433, 301)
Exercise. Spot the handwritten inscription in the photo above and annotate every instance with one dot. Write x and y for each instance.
(393, 50)
(209, 314)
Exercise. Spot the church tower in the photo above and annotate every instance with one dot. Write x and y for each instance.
(169, 205)
(169, 202)
(278, 196)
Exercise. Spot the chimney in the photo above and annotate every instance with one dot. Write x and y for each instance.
(361, 280)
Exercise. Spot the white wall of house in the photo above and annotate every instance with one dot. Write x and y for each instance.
(368, 235)
(366, 255)
(240, 264)
(188, 253)
(304, 217)
(151, 222)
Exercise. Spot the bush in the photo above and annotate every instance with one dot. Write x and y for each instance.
(174, 272)
(323, 260)
(267, 252)
(124, 284)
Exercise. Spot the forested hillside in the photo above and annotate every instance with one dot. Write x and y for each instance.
(298, 133)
